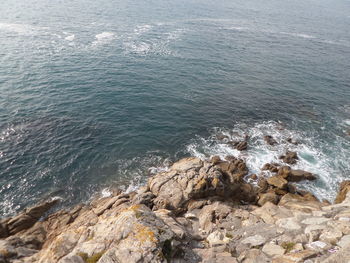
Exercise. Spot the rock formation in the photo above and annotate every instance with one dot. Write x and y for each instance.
(196, 211)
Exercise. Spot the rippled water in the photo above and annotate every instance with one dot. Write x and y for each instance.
(94, 93)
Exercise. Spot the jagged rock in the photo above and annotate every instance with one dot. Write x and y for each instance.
(270, 140)
(193, 179)
(289, 157)
(27, 218)
(213, 214)
(277, 181)
(343, 190)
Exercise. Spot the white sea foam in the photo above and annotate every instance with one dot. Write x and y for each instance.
(106, 192)
(21, 29)
(329, 167)
(103, 38)
(70, 37)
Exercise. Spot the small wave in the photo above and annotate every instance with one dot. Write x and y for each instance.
(103, 38)
(138, 48)
(237, 28)
(142, 29)
(70, 38)
(300, 35)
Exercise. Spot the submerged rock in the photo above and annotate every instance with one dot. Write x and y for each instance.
(270, 140)
(289, 157)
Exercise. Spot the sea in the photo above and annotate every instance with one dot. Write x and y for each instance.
(97, 95)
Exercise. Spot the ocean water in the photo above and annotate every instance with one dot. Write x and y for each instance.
(103, 93)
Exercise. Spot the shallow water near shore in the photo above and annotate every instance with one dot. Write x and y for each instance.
(103, 93)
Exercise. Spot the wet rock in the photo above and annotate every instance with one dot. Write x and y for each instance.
(299, 175)
(241, 146)
(289, 157)
(292, 141)
(343, 190)
(270, 140)
(272, 167)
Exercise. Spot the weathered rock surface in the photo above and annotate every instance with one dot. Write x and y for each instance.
(197, 211)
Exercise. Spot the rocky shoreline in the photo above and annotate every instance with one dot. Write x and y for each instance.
(196, 211)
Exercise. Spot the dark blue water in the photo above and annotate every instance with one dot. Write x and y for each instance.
(94, 93)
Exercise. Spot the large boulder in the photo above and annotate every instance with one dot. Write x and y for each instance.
(295, 175)
(191, 178)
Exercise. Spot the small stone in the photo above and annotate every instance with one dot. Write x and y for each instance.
(217, 238)
(253, 241)
(273, 250)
